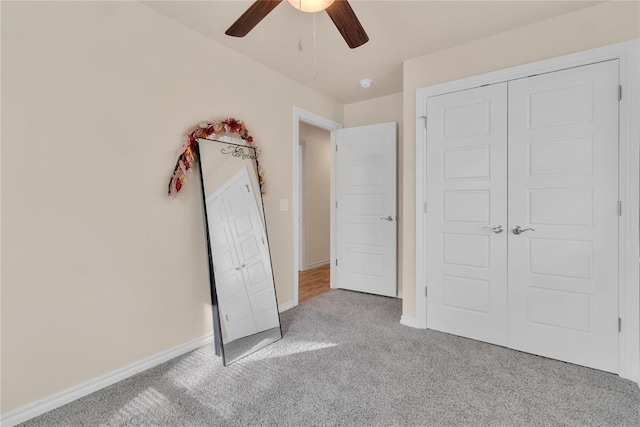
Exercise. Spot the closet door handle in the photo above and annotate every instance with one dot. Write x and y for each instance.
(517, 230)
(497, 229)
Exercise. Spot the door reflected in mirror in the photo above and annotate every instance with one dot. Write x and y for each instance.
(243, 287)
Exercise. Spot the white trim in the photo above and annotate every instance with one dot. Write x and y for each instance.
(300, 115)
(629, 232)
(302, 256)
(286, 306)
(57, 400)
(628, 53)
(409, 321)
(421, 197)
(399, 295)
(316, 265)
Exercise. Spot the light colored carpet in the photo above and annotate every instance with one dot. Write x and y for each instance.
(346, 360)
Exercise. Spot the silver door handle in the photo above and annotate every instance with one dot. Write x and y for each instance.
(387, 218)
(241, 267)
(497, 229)
(517, 230)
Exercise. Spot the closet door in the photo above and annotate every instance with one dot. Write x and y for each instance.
(247, 231)
(239, 321)
(563, 191)
(467, 213)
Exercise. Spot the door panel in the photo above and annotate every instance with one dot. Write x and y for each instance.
(563, 183)
(248, 233)
(229, 281)
(466, 196)
(366, 237)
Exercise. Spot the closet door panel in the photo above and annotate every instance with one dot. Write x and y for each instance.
(230, 284)
(563, 184)
(249, 237)
(466, 198)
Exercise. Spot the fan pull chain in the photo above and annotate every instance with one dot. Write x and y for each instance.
(314, 46)
(300, 26)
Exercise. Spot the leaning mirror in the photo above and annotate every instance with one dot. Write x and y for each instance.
(242, 285)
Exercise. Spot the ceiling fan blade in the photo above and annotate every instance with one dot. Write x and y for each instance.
(256, 12)
(347, 23)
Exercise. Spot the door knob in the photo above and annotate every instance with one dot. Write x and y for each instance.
(497, 229)
(387, 218)
(517, 230)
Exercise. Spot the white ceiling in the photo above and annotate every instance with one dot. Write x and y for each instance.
(397, 30)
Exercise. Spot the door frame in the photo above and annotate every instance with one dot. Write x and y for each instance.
(302, 255)
(628, 54)
(313, 119)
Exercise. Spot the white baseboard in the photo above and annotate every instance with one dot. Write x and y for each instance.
(315, 265)
(409, 321)
(54, 401)
(286, 306)
(399, 295)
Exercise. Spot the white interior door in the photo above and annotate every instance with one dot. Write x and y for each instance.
(366, 211)
(247, 230)
(563, 185)
(230, 287)
(467, 213)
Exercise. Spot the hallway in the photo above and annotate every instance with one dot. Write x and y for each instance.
(312, 283)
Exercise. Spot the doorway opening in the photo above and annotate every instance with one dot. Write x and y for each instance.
(314, 211)
(313, 193)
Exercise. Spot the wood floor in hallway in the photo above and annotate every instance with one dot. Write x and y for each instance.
(312, 283)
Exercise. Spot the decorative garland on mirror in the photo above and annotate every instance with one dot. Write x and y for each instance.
(187, 159)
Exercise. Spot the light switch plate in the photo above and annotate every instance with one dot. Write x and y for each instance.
(284, 204)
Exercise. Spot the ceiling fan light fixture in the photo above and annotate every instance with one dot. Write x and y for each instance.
(311, 6)
(340, 12)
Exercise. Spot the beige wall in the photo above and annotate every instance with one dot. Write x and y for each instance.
(101, 268)
(317, 194)
(382, 110)
(596, 26)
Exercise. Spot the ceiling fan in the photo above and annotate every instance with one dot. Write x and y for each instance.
(339, 11)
